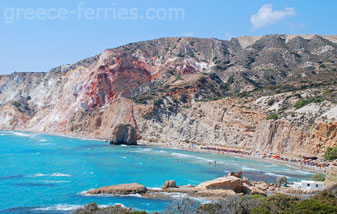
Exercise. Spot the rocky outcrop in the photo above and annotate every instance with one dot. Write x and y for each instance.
(223, 183)
(121, 189)
(124, 134)
(235, 174)
(169, 184)
(331, 176)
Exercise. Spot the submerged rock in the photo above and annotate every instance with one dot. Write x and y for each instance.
(121, 189)
(124, 134)
(169, 184)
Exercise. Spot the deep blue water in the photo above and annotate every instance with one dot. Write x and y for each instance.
(46, 174)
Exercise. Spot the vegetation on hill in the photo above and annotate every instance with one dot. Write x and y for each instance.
(331, 153)
(325, 202)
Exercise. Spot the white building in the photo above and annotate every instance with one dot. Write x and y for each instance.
(309, 185)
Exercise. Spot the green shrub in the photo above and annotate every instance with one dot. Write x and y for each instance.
(183, 98)
(16, 104)
(302, 102)
(299, 104)
(331, 153)
(271, 102)
(272, 117)
(318, 177)
(157, 102)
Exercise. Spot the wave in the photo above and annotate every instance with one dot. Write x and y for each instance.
(155, 188)
(274, 174)
(55, 182)
(304, 172)
(182, 155)
(248, 168)
(22, 134)
(43, 140)
(56, 174)
(59, 207)
(11, 177)
(86, 194)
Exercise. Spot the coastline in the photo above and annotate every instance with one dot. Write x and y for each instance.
(197, 148)
(296, 166)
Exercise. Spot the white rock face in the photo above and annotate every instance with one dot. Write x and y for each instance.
(331, 114)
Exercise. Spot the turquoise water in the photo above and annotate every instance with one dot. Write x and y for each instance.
(47, 174)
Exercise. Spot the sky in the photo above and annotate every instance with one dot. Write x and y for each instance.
(38, 35)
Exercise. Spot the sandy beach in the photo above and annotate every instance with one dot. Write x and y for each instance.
(253, 157)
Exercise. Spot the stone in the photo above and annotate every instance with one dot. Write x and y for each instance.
(236, 174)
(257, 191)
(169, 184)
(281, 181)
(246, 189)
(124, 134)
(121, 189)
(223, 183)
(331, 177)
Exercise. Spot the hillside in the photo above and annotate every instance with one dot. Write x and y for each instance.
(273, 93)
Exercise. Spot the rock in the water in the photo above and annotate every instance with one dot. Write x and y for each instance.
(236, 174)
(224, 183)
(282, 181)
(169, 184)
(121, 189)
(124, 134)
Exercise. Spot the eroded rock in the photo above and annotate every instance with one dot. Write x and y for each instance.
(224, 183)
(169, 184)
(124, 134)
(121, 189)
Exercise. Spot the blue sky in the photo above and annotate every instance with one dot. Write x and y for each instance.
(38, 35)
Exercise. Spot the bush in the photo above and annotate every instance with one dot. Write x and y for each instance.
(331, 153)
(16, 104)
(158, 102)
(272, 117)
(183, 98)
(302, 102)
(271, 102)
(318, 177)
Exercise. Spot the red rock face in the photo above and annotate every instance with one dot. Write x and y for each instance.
(116, 79)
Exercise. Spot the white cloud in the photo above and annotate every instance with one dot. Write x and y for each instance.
(267, 16)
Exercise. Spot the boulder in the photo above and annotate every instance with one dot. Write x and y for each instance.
(257, 191)
(281, 181)
(236, 174)
(169, 184)
(223, 183)
(121, 189)
(124, 134)
(331, 177)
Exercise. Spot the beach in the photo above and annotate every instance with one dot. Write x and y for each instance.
(253, 157)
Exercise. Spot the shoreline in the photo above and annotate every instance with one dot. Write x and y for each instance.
(293, 165)
(197, 148)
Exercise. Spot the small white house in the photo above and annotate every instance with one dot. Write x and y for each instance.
(309, 185)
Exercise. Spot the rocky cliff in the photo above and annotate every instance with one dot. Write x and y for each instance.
(273, 93)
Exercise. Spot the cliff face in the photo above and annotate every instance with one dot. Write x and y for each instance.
(274, 93)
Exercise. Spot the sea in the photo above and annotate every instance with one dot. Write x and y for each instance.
(42, 173)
